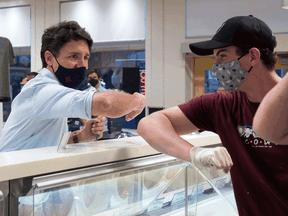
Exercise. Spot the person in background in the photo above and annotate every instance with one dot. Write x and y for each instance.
(245, 60)
(94, 77)
(29, 76)
(116, 79)
(270, 121)
(107, 77)
(40, 111)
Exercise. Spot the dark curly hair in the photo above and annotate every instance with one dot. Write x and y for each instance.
(55, 37)
(267, 56)
(33, 73)
(94, 71)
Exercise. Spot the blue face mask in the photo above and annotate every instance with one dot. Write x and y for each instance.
(71, 78)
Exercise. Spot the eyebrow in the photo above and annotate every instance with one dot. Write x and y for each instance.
(78, 53)
(221, 50)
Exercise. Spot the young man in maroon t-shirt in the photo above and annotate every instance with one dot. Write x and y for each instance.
(243, 48)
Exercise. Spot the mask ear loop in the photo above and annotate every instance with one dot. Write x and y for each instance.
(250, 69)
(241, 57)
(56, 61)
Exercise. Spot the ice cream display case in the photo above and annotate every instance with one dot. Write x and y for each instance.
(4, 190)
(152, 185)
(2, 203)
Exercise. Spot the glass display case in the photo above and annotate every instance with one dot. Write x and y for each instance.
(154, 185)
(4, 190)
(2, 203)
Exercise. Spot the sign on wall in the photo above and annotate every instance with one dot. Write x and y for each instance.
(142, 83)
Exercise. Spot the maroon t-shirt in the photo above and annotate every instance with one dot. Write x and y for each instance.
(260, 170)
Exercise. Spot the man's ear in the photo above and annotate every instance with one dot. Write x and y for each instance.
(255, 56)
(48, 58)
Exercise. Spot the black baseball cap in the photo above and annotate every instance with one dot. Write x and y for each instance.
(240, 30)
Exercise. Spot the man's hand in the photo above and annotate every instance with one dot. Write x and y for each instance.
(141, 102)
(218, 158)
(92, 127)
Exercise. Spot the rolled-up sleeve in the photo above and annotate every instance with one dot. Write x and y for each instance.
(55, 101)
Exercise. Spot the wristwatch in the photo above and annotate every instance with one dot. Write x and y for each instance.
(75, 137)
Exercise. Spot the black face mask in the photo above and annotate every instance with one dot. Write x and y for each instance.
(71, 78)
(93, 82)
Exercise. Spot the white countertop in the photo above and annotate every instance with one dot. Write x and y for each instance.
(38, 161)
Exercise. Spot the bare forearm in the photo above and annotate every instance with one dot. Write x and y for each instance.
(270, 121)
(114, 104)
(159, 133)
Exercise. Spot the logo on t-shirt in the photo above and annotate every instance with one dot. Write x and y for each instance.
(250, 138)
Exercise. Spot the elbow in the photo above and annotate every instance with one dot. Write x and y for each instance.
(151, 124)
(106, 104)
(145, 129)
(260, 131)
(256, 128)
(100, 106)
(141, 127)
(277, 138)
(268, 134)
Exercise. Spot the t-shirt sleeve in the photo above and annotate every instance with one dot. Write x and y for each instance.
(201, 110)
(56, 101)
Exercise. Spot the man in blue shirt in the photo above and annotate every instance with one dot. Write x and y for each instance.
(94, 80)
(40, 111)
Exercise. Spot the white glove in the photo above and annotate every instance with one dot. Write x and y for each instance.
(218, 158)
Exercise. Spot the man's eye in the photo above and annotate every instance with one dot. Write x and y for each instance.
(73, 56)
(86, 57)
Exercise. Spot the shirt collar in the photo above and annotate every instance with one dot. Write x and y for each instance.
(49, 74)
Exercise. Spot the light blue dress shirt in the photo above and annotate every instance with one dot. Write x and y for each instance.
(101, 89)
(40, 111)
